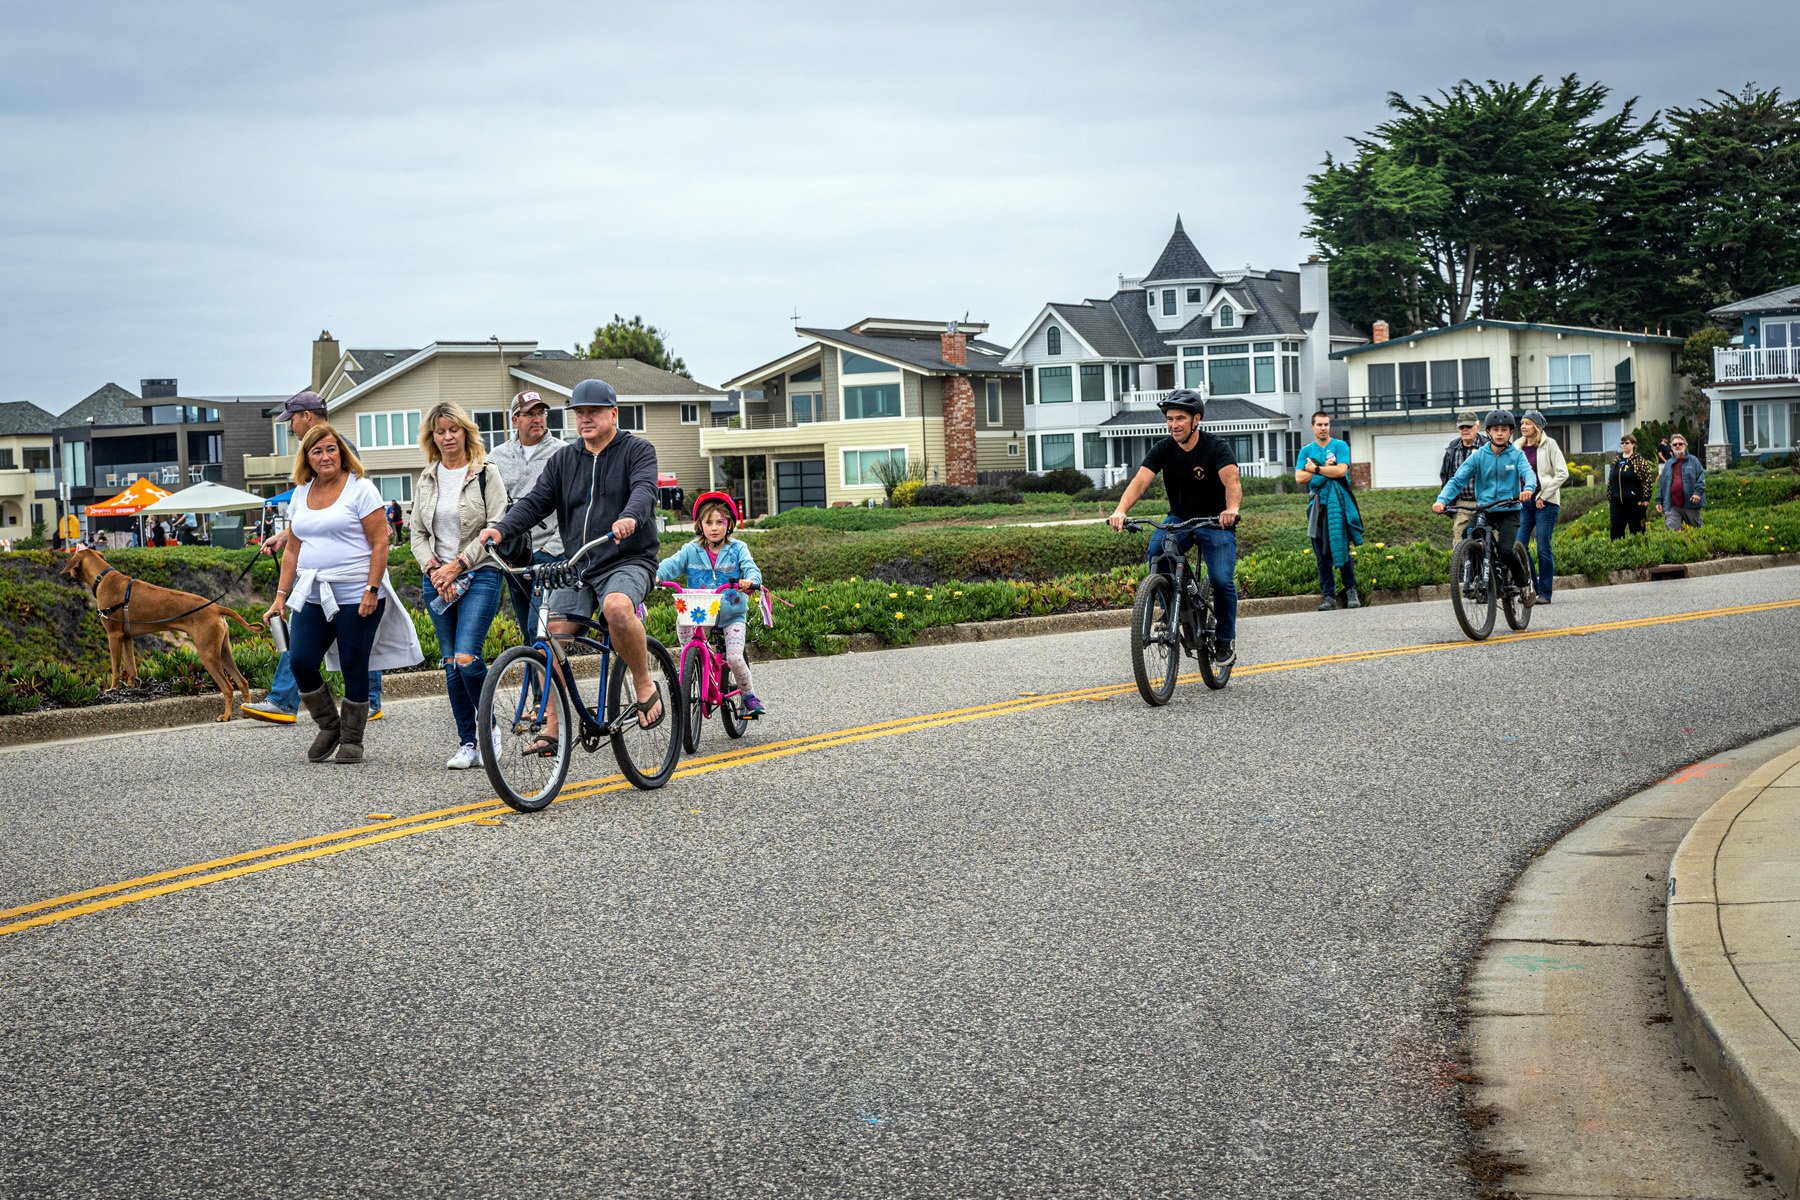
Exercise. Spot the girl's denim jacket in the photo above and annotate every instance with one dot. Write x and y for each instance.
(701, 568)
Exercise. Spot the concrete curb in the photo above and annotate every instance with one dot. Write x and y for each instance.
(1726, 1030)
(105, 719)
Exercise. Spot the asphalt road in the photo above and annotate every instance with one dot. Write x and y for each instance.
(1065, 946)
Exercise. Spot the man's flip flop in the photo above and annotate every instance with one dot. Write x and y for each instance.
(662, 710)
(542, 746)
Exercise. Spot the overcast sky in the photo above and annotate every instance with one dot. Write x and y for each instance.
(197, 189)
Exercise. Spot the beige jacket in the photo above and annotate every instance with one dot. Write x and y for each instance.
(1552, 471)
(472, 514)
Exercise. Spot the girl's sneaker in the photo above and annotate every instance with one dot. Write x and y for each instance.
(752, 706)
(465, 757)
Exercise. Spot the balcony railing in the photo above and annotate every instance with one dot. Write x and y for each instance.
(163, 474)
(777, 420)
(1756, 364)
(1567, 402)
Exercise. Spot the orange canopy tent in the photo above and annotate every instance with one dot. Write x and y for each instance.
(141, 494)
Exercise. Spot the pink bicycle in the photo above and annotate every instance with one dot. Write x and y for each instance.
(706, 683)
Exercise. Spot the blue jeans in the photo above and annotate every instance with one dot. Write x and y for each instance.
(1541, 521)
(1218, 549)
(525, 608)
(284, 693)
(462, 629)
(309, 634)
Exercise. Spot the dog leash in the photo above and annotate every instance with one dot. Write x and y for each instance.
(130, 583)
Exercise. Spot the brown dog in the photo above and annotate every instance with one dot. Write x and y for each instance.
(129, 607)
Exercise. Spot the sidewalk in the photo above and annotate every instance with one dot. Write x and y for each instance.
(1733, 957)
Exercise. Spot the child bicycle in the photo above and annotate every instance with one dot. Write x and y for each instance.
(707, 685)
(1173, 612)
(1474, 591)
(527, 725)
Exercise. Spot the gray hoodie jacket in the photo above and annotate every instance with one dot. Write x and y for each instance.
(587, 493)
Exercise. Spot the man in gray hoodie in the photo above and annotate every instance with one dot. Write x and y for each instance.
(521, 459)
(606, 482)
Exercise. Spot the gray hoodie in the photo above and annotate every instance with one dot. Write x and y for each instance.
(587, 493)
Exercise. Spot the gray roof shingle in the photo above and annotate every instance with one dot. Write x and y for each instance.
(20, 418)
(370, 363)
(109, 405)
(1218, 412)
(628, 376)
(925, 353)
(1098, 324)
(1780, 300)
(1179, 260)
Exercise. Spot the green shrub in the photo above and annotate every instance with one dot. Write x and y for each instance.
(1067, 480)
(904, 492)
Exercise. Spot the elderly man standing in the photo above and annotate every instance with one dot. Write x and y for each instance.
(1459, 449)
(1680, 487)
(520, 460)
(302, 411)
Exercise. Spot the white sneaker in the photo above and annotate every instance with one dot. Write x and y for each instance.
(464, 758)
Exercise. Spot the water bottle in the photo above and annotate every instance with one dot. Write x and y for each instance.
(438, 604)
(278, 634)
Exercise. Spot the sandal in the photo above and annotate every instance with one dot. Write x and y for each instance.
(656, 700)
(542, 746)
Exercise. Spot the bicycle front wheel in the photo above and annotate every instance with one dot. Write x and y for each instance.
(731, 712)
(1155, 642)
(647, 756)
(1475, 613)
(512, 720)
(693, 694)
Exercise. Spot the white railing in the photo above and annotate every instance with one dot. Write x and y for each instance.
(1264, 470)
(1759, 362)
(1142, 399)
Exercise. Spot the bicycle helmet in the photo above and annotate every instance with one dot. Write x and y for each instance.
(1499, 417)
(1185, 398)
(731, 508)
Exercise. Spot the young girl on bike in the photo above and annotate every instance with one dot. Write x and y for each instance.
(715, 559)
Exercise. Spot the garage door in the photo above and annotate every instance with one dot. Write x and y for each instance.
(1408, 459)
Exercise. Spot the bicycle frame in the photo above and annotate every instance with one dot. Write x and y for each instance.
(1188, 578)
(712, 662)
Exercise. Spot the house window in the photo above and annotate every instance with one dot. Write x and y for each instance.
(1193, 296)
(1593, 437)
(690, 414)
(1093, 382)
(860, 465)
(394, 487)
(1031, 454)
(1443, 382)
(1193, 370)
(1053, 340)
(856, 364)
(1571, 377)
(1059, 451)
(6, 459)
(1055, 385)
(1227, 317)
(1228, 376)
(1290, 372)
(1093, 450)
(631, 416)
(1026, 380)
(871, 401)
(1265, 372)
(1012, 449)
(808, 407)
(1769, 425)
(1122, 382)
(1477, 388)
(494, 424)
(808, 375)
(1168, 302)
(379, 431)
(1383, 390)
(1150, 301)
(993, 402)
(282, 429)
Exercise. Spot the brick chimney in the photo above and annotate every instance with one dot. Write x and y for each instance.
(324, 359)
(959, 412)
(1379, 332)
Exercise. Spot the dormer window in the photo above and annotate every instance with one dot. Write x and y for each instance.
(1193, 296)
(1053, 340)
(1150, 301)
(1227, 317)
(1168, 302)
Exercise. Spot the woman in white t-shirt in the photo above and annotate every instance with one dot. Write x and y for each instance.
(457, 496)
(333, 579)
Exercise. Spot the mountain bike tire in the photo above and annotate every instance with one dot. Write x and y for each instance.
(1155, 643)
(1475, 616)
(1518, 603)
(507, 722)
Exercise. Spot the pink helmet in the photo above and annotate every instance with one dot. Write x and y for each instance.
(730, 506)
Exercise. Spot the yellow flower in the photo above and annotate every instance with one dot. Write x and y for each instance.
(910, 593)
(1381, 545)
(1389, 557)
(956, 593)
(929, 597)
(899, 616)
(858, 604)
(895, 595)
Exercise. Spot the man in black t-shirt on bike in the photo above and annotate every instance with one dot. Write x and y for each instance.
(1201, 476)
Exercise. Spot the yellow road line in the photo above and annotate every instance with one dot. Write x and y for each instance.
(162, 883)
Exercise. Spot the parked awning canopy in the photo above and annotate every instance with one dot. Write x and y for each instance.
(134, 499)
(206, 497)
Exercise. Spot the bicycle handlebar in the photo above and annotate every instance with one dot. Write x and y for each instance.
(1136, 524)
(742, 585)
(535, 569)
(1494, 506)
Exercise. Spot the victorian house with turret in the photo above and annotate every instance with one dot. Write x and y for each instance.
(1256, 343)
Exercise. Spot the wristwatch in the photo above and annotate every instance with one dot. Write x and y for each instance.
(374, 589)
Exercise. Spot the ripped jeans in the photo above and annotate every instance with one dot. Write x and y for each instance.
(462, 631)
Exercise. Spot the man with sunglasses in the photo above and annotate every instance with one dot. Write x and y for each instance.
(520, 460)
(1680, 487)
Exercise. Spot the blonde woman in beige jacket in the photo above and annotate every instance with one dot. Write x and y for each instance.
(1539, 516)
(457, 496)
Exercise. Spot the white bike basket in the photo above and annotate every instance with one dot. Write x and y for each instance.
(697, 608)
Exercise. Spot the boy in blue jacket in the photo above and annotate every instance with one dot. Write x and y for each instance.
(1500, 476)
(715, 559)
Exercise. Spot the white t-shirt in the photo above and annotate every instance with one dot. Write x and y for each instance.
(446, 523)
(333, 537)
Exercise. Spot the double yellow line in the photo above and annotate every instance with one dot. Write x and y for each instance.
(218, 870)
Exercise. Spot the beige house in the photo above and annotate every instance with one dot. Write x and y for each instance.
(27, 481)
(814, 428)
(1404, 393)
(378, 398)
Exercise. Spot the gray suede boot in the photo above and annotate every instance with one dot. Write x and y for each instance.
(322, 707)
(356, 719)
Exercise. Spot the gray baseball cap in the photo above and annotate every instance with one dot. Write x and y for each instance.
(307, 401)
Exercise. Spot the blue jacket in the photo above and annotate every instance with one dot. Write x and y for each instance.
(699, 569)
(1693, 482)
(1497, 478)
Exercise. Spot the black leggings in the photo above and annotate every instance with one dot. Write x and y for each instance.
(309, 633)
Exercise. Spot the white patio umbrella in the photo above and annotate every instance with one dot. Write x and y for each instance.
(206, 497)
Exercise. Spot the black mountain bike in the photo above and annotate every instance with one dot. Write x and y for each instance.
(1474, 590)
(1174, 612)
